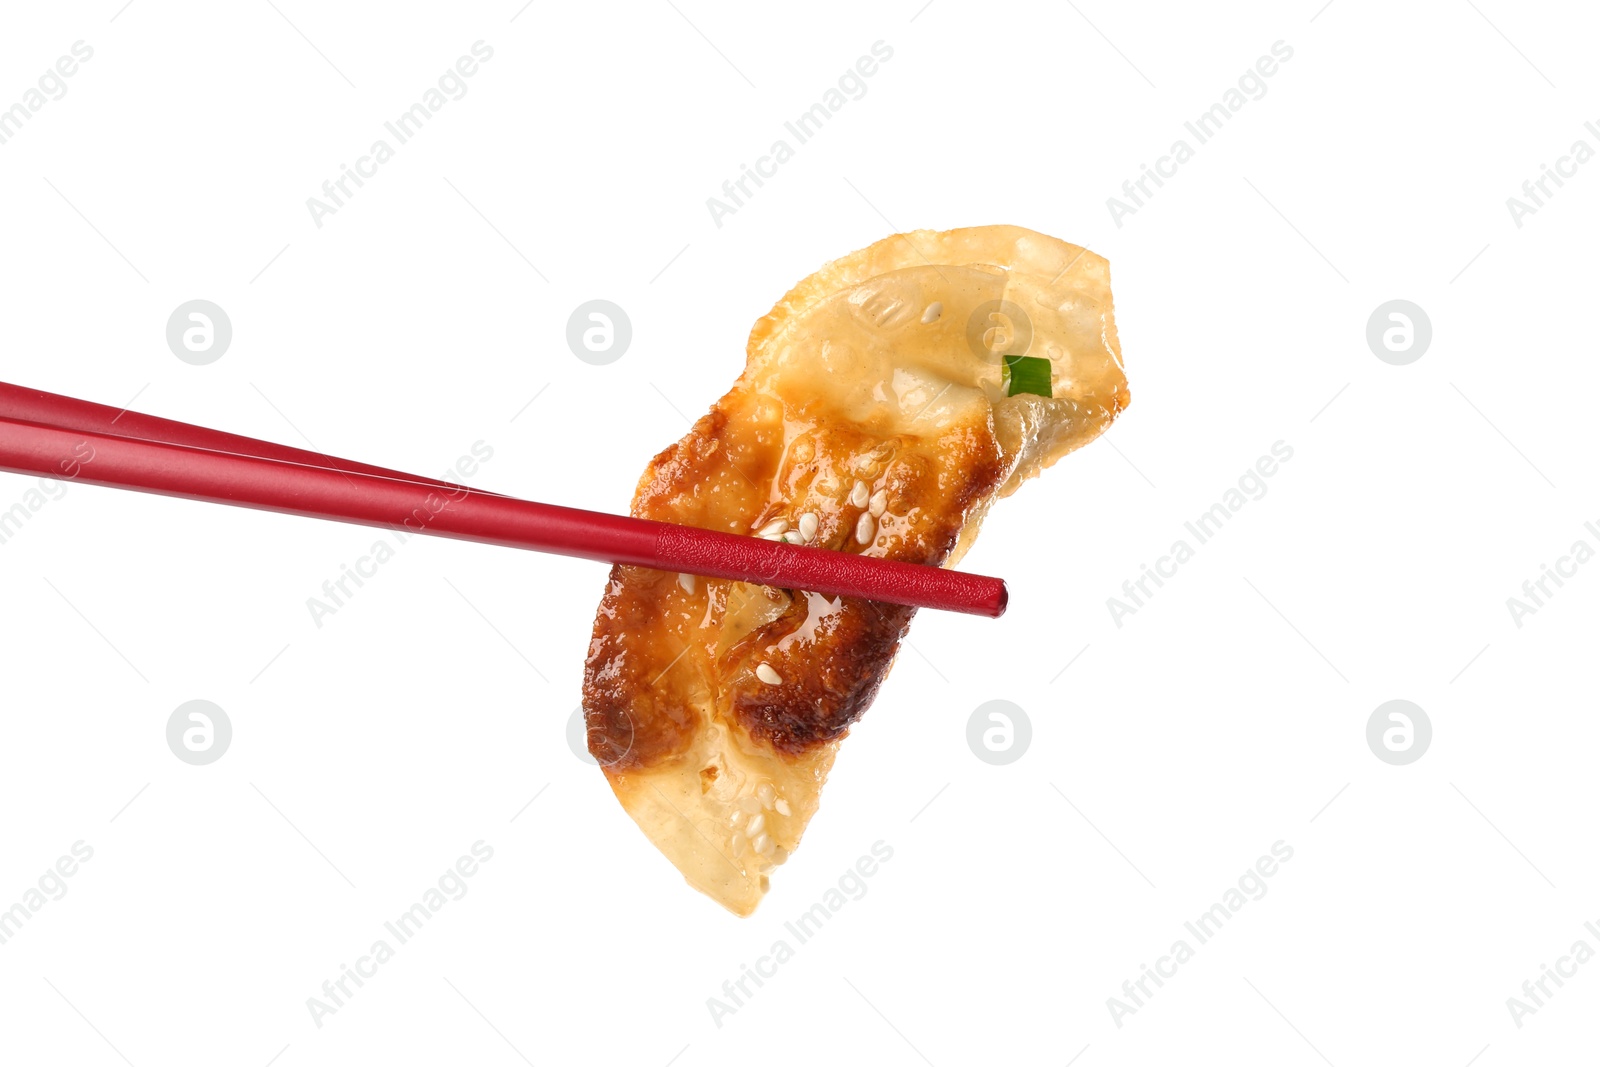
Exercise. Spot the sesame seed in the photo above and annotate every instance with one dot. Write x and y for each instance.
(739, 842)
(749, 805)
(776, 526)
(808, 525)
(866, 526)
(860, 494)
(933, 311)
(770, 676)
(762, 845)
(879, 503)
(795, 537)
(765, 793)
(687, 582)
(757, 822)
(782, 806)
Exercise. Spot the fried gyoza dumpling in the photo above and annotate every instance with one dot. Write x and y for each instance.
(886, 403)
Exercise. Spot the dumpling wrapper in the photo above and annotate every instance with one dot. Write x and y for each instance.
(871, 414)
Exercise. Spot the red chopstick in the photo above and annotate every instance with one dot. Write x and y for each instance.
(208, 465)
(52, 409)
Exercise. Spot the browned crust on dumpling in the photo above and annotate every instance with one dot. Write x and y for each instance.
(717, 706)
(828, 687)
(650, 662)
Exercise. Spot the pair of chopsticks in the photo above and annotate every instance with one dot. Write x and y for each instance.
(60, 437)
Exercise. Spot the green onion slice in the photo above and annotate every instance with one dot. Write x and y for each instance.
(1026, 374)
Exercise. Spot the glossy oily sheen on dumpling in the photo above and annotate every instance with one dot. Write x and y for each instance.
(872, 416)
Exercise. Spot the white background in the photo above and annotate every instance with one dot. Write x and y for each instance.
(1227, 714)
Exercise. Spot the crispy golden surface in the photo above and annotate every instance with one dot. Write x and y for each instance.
(871, 417)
